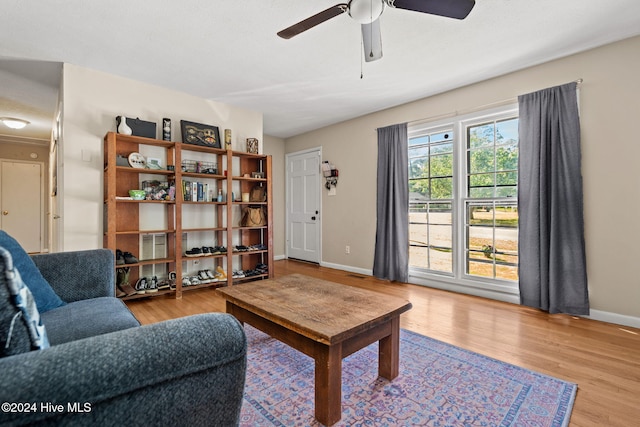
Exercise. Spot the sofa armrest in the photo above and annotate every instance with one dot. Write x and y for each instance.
(79, 275)
(187, 371)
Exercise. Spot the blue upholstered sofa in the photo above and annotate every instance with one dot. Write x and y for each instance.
(103, 368)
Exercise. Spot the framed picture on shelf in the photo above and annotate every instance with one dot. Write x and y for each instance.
(199, 134)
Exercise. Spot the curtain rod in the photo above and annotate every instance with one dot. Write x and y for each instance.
(472, 110)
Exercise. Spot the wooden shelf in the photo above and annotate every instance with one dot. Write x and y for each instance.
(123, 216)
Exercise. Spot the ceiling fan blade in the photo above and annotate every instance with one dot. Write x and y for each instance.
(314, 20)
(372, 41)
(458, 9)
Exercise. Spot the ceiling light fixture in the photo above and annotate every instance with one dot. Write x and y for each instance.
(13, 123)
(365, 12)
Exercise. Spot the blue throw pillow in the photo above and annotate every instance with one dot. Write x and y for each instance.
(21, 329)
(46, 298)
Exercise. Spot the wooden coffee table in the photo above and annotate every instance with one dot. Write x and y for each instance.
(326, 321)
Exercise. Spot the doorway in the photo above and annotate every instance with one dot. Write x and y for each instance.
(303, 205)
(21, 202)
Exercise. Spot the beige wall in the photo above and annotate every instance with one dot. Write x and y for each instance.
(275, 147)
(610, 108)
(91, 101)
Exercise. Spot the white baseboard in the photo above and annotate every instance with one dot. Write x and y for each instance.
(618, 319)
(347, 268)
(279, 257)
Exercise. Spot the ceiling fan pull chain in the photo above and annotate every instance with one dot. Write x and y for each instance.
(371, 27)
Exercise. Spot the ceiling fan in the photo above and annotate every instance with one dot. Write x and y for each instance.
(367, 13)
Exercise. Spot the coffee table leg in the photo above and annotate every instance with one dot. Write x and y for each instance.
(389, 352)
(328, 382)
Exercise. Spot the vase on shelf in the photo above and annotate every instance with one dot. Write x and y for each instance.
(123, 127)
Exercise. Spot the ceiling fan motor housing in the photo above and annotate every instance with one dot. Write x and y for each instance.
(366, 11)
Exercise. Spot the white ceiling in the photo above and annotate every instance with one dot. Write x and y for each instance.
(228, 51)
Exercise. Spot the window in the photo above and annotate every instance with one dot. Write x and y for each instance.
(463, 213)
(430, 200)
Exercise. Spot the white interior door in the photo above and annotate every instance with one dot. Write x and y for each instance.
(303, 205)
(21, 203)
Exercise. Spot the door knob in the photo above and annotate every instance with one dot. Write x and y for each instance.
(5, 212)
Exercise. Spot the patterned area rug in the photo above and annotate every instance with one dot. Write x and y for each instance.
(439, 385)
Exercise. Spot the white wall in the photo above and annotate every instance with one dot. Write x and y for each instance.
(610, 109)
(91, 101)
(275, 147)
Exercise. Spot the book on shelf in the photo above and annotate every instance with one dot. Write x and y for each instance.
(195, 191)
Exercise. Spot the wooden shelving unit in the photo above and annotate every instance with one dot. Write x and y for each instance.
(186, 224)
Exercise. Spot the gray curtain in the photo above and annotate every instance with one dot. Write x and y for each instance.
(553, 272)
(391, 260)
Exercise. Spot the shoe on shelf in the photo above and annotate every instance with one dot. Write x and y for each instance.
(250, 273)
(238, 274)
(141, 286)
(119, 257)
(120, 293)
(205, 251)
(203, 276)
(129, 258)
(152, 286)
(164, 284)
(194, 280)
(122, 281)
(194, 252)
(220, 274)
(211, 276)
(186, 282)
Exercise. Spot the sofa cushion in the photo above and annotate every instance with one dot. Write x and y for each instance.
(46, 299)
(87, 318)
(20, 327)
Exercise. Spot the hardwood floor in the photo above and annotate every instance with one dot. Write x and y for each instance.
(602, 358)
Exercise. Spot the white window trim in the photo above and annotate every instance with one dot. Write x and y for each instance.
(502, 290)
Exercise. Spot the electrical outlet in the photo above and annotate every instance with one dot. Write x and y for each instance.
(347, 249)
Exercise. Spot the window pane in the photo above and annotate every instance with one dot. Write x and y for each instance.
(507, 157)
(424, 139)
(419, 167)
(492, 240)
(442, 136)
(418, 151)
(511, 191)
(442, 165)
(507, 178)
(481, 193)
(481, 136)
(482, 180)
(441, 188)
(481, 160)
(432, 161)
(481, 269)
(442, 148)
(507, 272)
(419, 190)
(507, 130)
(441, 260)
(431, 237)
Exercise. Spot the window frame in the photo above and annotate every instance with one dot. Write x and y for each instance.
(459, 280)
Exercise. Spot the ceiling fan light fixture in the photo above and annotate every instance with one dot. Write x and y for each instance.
(13, 123)
(366, 11)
